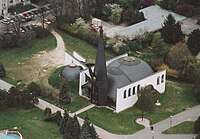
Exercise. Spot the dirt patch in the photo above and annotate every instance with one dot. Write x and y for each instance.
(41, 65)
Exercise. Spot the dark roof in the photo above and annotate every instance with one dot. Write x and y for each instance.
(71, 72)
(124, 71)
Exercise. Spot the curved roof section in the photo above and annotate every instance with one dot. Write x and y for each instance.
(124, 71)
(71, 72)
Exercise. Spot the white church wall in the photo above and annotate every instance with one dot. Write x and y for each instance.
(127, 95)
(78, 57)
(69, 59)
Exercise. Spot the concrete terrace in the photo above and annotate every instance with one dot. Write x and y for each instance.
(155, 16)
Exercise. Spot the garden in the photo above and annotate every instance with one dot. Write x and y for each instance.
(177, 94)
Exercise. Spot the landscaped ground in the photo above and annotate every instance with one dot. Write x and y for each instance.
(183, 128)
(176, 98)
(22, 63)
(77, 102)
(20, 8)
(29, 122)
(86, 50)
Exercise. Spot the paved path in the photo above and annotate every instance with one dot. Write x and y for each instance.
(4, 85)
(84, 109)
(188, 115)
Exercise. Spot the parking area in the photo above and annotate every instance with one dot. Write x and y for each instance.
(27, 20)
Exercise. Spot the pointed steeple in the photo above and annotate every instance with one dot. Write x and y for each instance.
(101, 72)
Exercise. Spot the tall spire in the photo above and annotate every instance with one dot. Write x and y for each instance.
(101, 72)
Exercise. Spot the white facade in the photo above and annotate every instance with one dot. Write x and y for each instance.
(5, 4)
(127, 96)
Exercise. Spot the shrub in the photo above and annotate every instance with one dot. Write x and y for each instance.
(170, 72)
(47, 111)
(34, 88)
(197, 125)
(2, 71)
(186, 10)
(55, 117)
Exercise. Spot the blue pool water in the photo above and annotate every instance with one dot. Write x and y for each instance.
(9, 136)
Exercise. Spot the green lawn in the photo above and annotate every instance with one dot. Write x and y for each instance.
(183, 128)
(172, 103)
(15, 57)
(20, 8)
(85, 49)
(29, 122)
(77, 102)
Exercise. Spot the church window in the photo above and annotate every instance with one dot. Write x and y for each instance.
(124, 93)
(129, 92)
(133, 91)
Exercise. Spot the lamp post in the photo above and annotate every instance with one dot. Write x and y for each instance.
(170, 120)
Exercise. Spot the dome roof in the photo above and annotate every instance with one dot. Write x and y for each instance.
(124, 71)
(71, 72)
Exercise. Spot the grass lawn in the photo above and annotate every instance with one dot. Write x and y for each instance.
(77, 102)
(183, 128)
(172, 102)
(9, 80)
(85, 49)
(20, 8)
(11, 58)
(29, 122)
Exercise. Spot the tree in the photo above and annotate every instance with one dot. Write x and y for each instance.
(197, 125)
(193, 42)
(178, 56)
(85, 131)
(171, 31)
(63, 95)
(65, 11)
(34, 88)
(158, 44)
(144, 103)
(186, 10)
(116, 13)
(64, 122)
(168, 4)
(2, 71)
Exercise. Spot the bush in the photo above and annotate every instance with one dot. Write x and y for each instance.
(41, 33)
(34, 88)
(170, 72)
(47, 111)
(2, 71)
(186, 10)
(197, 125)
(55, 117)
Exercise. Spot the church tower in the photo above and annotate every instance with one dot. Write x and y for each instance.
(100, 71)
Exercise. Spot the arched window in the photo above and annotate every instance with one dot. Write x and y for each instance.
(86, 78)
(162, 78)
(158, 80)
(133, 91)
(129, 92)
(124, 93)
(138, 88)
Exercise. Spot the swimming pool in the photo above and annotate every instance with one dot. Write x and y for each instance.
(9, 136)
